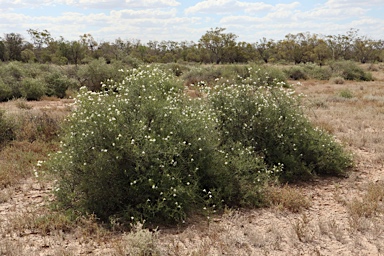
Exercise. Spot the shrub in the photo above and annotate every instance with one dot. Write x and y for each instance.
(266, 76)
(270, 121)
(349, 70)
(12, 75)
(5, 91)
(318, 72)
(32, 88)
(296, 73)
(200, 74)
(97, 71)
(141, 150)
(37, 126)
(337, 80)
(346, 93)
(57, 84)
(175, 68)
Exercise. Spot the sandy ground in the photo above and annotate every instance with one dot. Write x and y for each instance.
(327, 227)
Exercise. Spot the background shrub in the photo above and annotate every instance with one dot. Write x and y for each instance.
(58, 84)
(12, 75)
(198, 74)
(97, 71)
(5, 91)
(296, 73)
(32, 88)
(318, 72)
(346, 93)
(337, 80)
(349, 70)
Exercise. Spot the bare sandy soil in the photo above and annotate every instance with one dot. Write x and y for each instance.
(334, 224)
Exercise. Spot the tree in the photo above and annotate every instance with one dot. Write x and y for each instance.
(217, 45)
(342, 45)
(364, 49)
(321, 52)
(76, 52)
(266, 49)
(13, 46)
(41, 40)
(2, 51)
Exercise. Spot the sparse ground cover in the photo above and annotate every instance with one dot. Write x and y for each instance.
(324, 217)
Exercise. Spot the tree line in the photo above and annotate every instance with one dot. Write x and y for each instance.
(215, 46)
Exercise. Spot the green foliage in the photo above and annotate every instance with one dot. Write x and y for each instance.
(270, 122)
(199, 74)
(5, 91)
(97, 71)
(141, 150)
(263, 75)
(57, 84)
(138, 150)
(12, 74)
(177, 69)
(257, 75)
(32, 88)
(349, 70)
(296, 73)
(308, 71)
(318, 72)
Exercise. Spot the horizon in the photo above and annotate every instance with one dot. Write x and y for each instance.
(173, 20)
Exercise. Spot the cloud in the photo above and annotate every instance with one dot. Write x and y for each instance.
(214, 6)
(144, 14)
(230, 6)
(353, 3)
(98, 4)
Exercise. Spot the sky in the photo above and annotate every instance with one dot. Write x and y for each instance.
(188, 20)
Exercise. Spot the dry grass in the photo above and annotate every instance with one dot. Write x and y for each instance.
(23, 104)
(288, 197)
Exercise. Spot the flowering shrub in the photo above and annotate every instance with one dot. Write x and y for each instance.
(140, 150)
(269, 121)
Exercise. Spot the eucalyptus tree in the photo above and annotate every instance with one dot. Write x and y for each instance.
(14, 44)
(218, 46)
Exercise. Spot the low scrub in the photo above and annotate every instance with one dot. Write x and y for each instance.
(349, 70)
(296, 73)
(33, 81)
(257, 75)
(308, 71)
(140, 150)
(93, 74)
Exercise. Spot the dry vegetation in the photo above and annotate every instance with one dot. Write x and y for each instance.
(326, 217)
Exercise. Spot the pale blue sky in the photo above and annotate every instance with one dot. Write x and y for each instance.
(181, 20)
